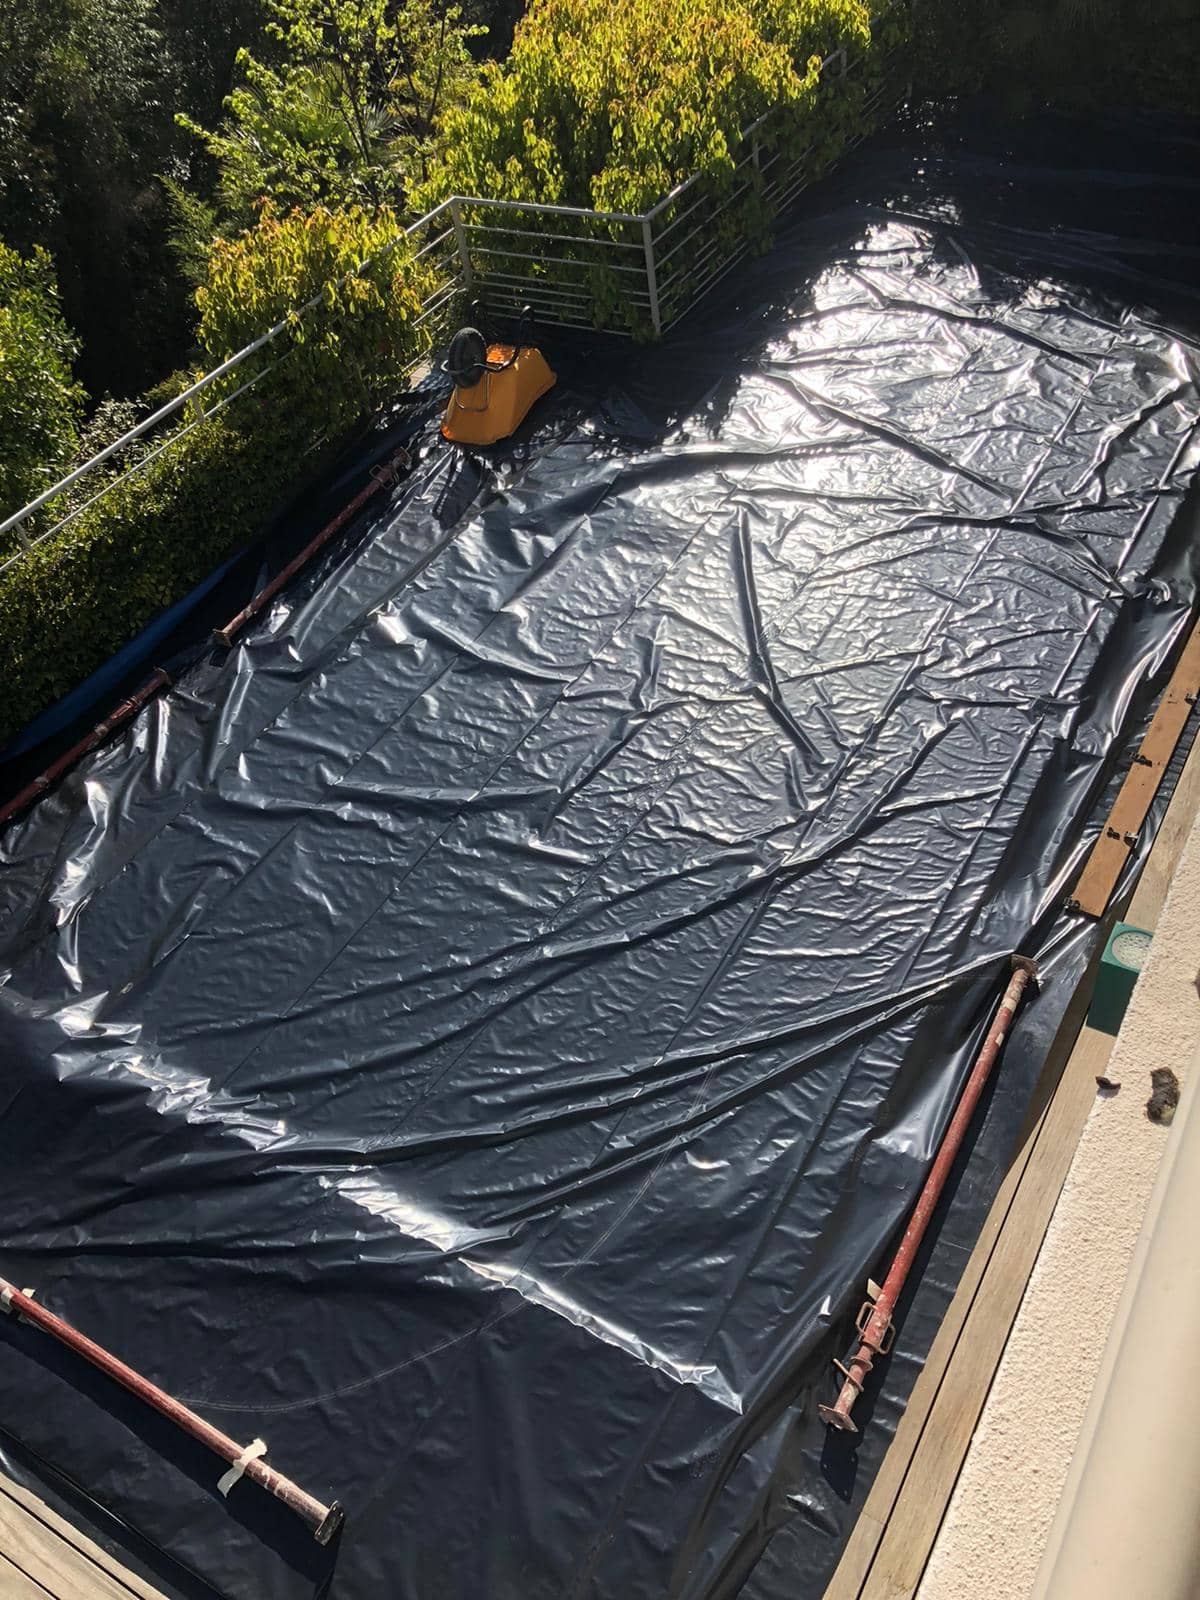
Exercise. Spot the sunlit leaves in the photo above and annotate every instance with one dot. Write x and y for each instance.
(345, 107)
(40, 402)
(350, 350)
(611, 106)
(72, 601)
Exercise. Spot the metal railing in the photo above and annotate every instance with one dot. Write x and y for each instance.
(437, 246)
(639, 273)
(634, 274)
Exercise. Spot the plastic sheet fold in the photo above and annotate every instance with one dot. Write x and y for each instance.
(479, 1034)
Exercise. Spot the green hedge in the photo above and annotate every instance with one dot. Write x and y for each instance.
(611, 106)
(40, 403)
(73, 600)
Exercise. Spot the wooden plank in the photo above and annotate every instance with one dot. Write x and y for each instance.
(912, 1527)
(1052, 1132)
(1095, 884)
(65, 1562)
(861, 1546)
(893, 1486)
(18, 1585)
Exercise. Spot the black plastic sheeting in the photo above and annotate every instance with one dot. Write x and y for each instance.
(480, 1034)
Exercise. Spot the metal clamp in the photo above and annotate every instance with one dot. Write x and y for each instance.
(862, 1321)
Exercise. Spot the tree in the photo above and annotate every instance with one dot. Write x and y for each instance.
(1073, 53)
(83, 91)
(348, 111)
(88, 95)
(40, 402)
(202, 39)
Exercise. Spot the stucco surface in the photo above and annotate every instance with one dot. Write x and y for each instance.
(995, 1529)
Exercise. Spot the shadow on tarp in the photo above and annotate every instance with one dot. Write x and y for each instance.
(479, 1034)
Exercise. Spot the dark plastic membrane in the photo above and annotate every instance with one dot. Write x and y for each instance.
(480, 1034)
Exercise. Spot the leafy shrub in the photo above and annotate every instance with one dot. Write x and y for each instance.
(612, 106)
(40, 402)
(346, 353)
(73, 600)
(345, 107)
(1077, 54)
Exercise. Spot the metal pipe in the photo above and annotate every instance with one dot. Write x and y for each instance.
(545, 291)
(651, 277)
(380, 477)
(432, 244)
(445, 294)
(558, 238)
(324, 1520)
(874, 1321)
(543, 208)
(549, 318)
(460, 244)
(545, 257)
(32, 791)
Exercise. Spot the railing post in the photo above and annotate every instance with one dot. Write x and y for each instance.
(651, 276)
(460, 240)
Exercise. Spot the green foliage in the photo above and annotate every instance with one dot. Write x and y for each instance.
(62, 60)
(191, 229)
(82, 90)
(1076, 54)
(611, 106)
(201, 40)
(353, 347)
(347, 111)
(40, 402)
(73, 600)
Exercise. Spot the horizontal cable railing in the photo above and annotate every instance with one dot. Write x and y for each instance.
(635, 274)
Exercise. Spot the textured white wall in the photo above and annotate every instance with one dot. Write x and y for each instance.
(995, 1529)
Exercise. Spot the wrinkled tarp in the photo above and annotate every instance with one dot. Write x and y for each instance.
(479, 1034)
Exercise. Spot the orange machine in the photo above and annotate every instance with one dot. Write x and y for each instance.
(494, 384)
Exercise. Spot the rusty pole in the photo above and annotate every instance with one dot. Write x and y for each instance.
(323, 1520)
(381, 477)
(115, 719)
(874, 1320)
